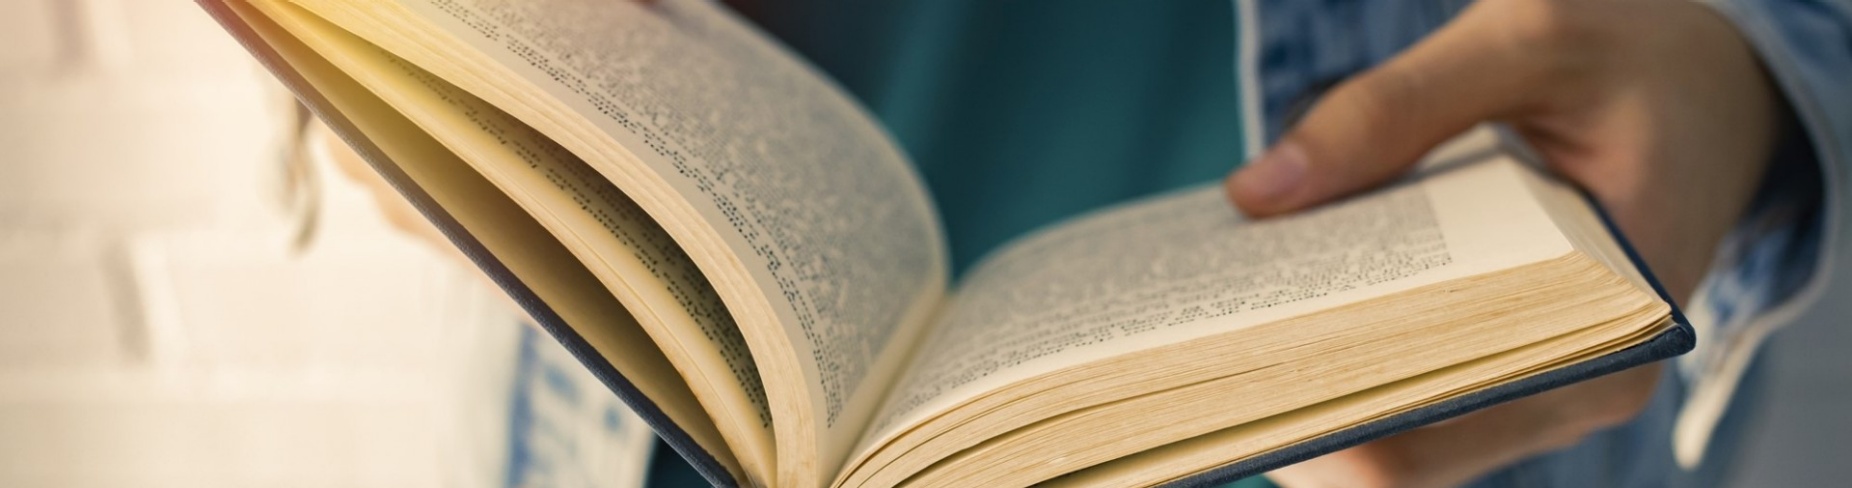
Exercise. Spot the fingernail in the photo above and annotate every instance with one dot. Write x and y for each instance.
(1274, 174)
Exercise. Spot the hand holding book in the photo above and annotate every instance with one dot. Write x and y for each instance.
(1670, 128)
(744, 256)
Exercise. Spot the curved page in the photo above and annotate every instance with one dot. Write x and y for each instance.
(503, 229)
(631, 255)
(805, 217)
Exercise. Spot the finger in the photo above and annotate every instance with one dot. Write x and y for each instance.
(1453, 453)
(398, 212)
(1471, 446)
(1374, 126)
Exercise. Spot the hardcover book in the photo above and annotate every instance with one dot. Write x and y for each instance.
(744, 256)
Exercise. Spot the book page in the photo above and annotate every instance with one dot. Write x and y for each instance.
(812, 227)
(632, 256)
(1186, 265)
(505, 230)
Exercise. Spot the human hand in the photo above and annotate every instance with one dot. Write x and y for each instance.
(397, 212)
(1657, 107)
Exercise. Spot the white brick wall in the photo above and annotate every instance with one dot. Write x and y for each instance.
(156, 326)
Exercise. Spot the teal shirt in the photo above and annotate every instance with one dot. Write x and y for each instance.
(1021, 113)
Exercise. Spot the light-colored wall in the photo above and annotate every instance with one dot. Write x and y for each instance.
(159, 325)
(1803, 436)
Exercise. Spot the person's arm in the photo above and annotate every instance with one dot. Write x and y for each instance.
(1670, 127)
(1775, 266)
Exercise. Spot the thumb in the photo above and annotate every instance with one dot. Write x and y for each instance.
(1372, 128)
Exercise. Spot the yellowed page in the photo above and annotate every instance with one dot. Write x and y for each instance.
(802, 213)
(1186, 266)
(509, 234)
(1201, 453)
(635, 259)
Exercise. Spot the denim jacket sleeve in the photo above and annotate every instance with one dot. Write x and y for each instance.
(1774, 265)
(1780, 259)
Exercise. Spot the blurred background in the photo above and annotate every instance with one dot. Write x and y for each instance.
(192, 295)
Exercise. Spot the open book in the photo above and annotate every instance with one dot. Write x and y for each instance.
(742, 254)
